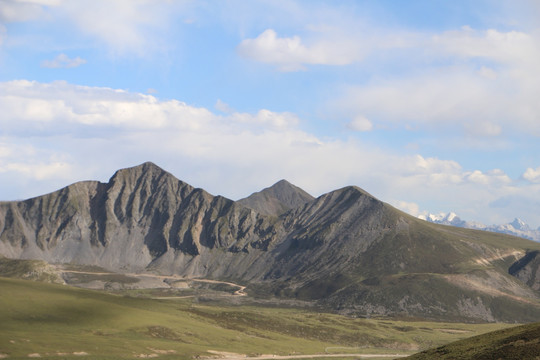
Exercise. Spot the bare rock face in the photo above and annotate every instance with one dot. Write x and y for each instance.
(345, 250)
(142, 214)
(277, 199)
(527, 269)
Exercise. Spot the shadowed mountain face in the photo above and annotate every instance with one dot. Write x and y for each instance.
(277, 199)
(345, 250)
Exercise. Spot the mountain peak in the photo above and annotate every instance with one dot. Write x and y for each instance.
(519, 224)
(147, 166)
(277, 199)
(284, 186)
(450, 218)
(517, 227)
(147, 170)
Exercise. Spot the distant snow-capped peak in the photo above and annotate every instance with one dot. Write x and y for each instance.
(519, 224)
(517, 227)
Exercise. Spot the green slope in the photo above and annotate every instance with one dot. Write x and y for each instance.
(28, 269)
(60, 322)
(519, 343)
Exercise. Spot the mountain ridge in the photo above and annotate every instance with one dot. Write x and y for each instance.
(344, 251)
(517, 227)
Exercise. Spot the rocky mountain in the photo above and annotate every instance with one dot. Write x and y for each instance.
(345, 250)
(517, 227)
(277, 199)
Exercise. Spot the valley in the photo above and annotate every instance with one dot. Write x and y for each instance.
(60, 322)
(147, 266)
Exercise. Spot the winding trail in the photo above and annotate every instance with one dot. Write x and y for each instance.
(233, 356)
(239, 292)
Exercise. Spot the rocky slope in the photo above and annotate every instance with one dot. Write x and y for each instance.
(277, 199)
(141, 216)
(345, 250)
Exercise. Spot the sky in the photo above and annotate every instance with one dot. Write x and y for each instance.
(429, 105)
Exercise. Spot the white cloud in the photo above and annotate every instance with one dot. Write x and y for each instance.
(19, 11)
(12, 11)
(291, 54)
(360, 123)
(495, 176)
(63, 61)
(478, 82)
(453, 97)
(410, 208)
(126, 27)
(487, 72)
(506, 47)
(532, 175)
(482, 128)
(39, 171)
(60, 103)
(27, 170)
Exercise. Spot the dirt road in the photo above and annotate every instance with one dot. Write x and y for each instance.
(233, 356)
(239, 292)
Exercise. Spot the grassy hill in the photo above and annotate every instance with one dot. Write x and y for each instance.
(60, 322)
(519, 343)
(29, 269)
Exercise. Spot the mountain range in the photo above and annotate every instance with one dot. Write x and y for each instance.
(517, 227)
(343, 251)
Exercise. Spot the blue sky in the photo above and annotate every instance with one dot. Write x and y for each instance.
(431, 106)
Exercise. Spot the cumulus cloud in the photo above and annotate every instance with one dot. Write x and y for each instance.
(63, 61)
(291, 54)
(492, 177)
(60, 103)
(479, 82)
(532, 175)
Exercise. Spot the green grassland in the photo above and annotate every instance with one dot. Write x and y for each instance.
(61, 322)
(516, 343)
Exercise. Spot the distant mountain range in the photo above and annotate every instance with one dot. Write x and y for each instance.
(517, 227)
(343, 251)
